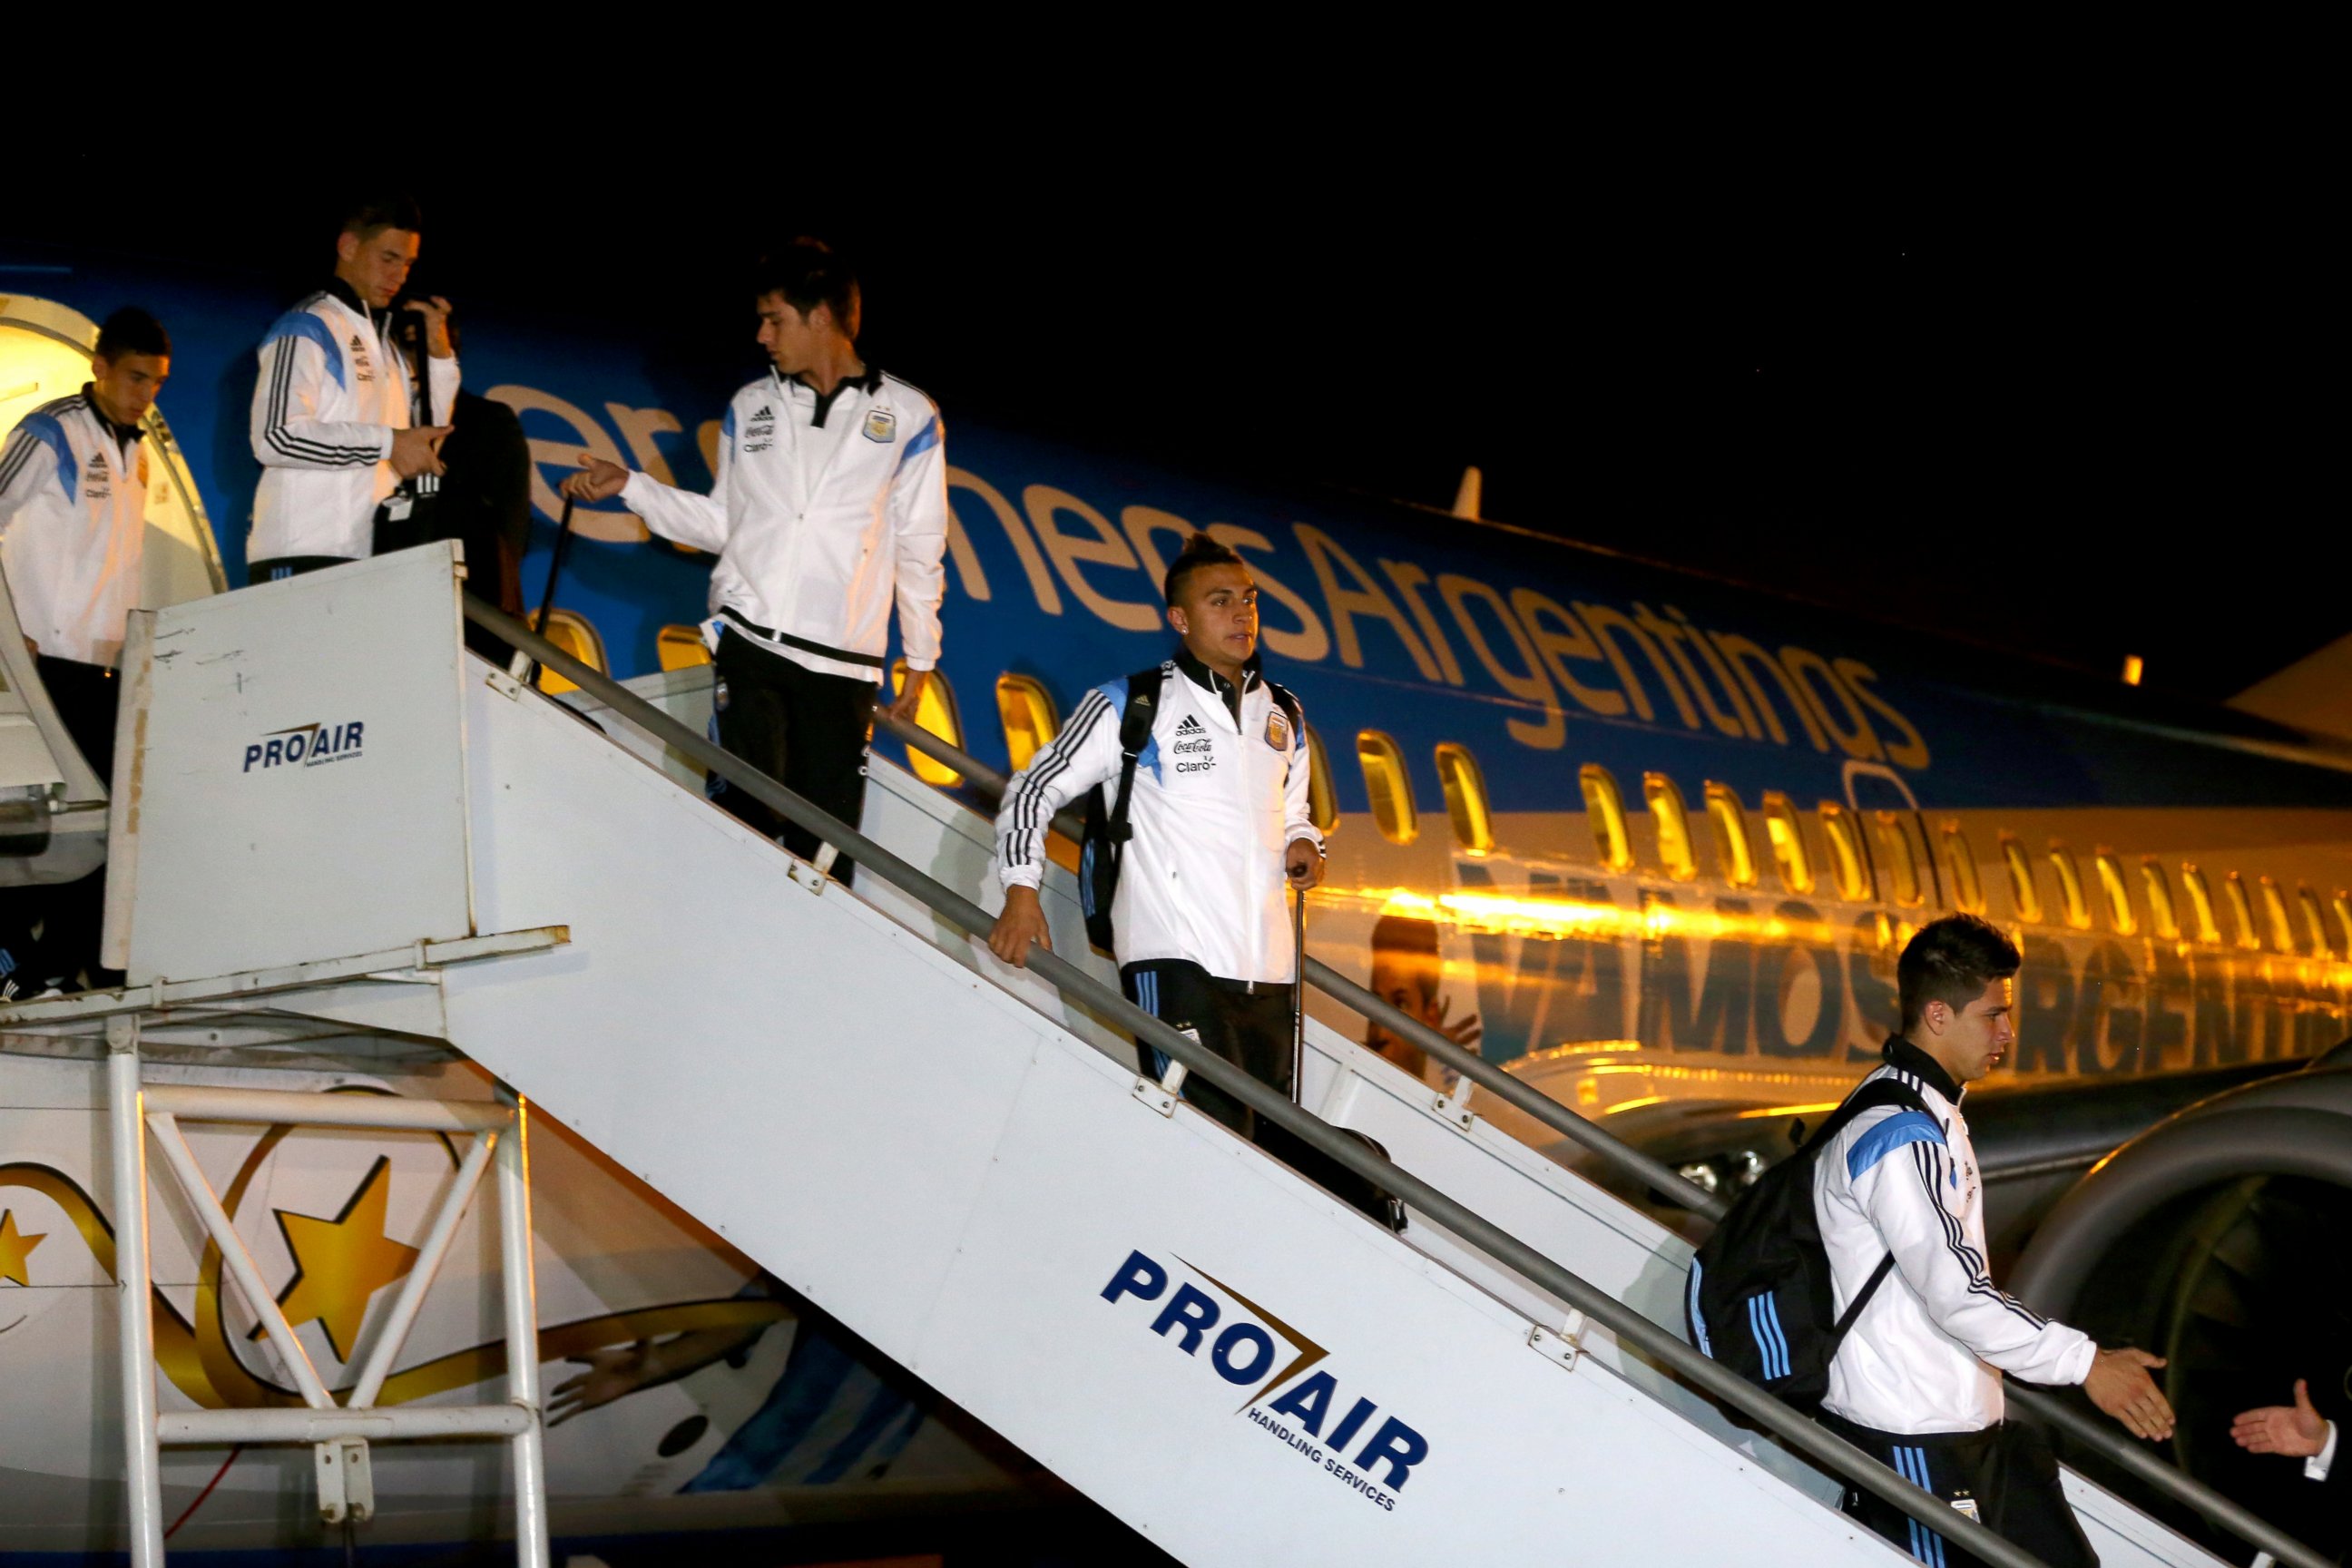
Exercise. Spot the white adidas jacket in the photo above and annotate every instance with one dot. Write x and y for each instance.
(1217, 802)
(1927, 1353)
(333, 388)
(826, 512)
(73, 528)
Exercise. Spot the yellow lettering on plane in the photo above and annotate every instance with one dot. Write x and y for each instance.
(1364, 600)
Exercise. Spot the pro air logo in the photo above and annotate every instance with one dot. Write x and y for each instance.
(1246, 1345)
(306, 746)
(1195, 749)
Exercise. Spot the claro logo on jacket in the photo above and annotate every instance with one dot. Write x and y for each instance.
(1347, 1437)
(1195, 747)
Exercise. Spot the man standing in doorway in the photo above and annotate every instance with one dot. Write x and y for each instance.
(337, 426)
(830, 508)
(1916, 1383)
(74, 481)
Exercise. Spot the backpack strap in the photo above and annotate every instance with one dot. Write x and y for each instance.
(1135, 723)
(1883, 1092)
(1290, 704)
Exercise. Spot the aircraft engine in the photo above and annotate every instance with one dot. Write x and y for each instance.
(2218, 1240)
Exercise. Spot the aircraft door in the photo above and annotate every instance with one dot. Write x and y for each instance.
(1895, 837)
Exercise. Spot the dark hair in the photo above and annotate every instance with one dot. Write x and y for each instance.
(379, 210)
(1199, 550)
(806, 274)
(1952, 961)
(132, 331)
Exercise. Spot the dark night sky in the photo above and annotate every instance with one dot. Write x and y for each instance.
(2078, 413)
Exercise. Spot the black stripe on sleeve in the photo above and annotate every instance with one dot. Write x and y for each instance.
(283, 440)
(1030, 813)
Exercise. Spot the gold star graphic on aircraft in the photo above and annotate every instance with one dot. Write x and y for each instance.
(340, 1263)
(14, 1248)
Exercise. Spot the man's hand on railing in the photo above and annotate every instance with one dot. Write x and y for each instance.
(911, 699)
(1022, 922)
(1303, 863)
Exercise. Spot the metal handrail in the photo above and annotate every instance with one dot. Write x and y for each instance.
(1512, 1091)
(2045, 1407)
(1825, 1448)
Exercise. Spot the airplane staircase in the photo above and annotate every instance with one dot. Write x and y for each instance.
(955, 1159)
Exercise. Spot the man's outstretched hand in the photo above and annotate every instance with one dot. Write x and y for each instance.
(1022, 922)
(2297, 1430)
(2119, 1385)
(596, 480)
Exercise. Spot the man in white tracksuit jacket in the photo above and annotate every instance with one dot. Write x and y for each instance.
(830, 509)
(1917, 1381)
(1218, 814)
(75, 480)
(332, 423)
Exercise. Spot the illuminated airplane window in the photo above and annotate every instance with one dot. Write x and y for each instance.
(575, 635)
(1892, 829)
(2201, 904)
(1786, 832)
(936, 713)
(2072, 907)
(2275, 907)
(2118, 892)
(1322, 799)
(1604, 808)
(1960, 870)
(1665, 802)
(680, 648)
(1386, 782)
(1845, 854)
(2241, 913)
(2161, 912)
(1466, 798)
(1732, 850)
(2343, 905)
(2021, 891)
(2315, 922)
(1030, 721)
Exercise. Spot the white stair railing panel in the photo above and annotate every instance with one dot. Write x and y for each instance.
(710, 1010)
(944, 1169)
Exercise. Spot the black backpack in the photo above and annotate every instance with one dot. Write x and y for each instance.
(1102, 846)
(1760, 1299)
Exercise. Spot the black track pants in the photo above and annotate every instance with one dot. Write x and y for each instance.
(1249, 1027)
(807, 732)
(72, 915)
(1252, 1027)
(2004, 1476)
